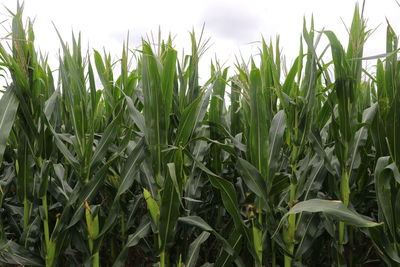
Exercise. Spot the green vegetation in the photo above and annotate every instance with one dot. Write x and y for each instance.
(147, 166)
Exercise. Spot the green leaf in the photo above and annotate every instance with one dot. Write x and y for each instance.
(87, 193)
(135, 115)
(8, 110)
(25, 180)
(235, 240)
(169, 212)
(257, 146)
(318, 146)
(63, 148)
(106, 139)
(199, 222)
(276, 132)
(360, 138)
(129, 172)
(133, 239)
(229, 199)
(196, 221)
(194, 249)
(13, 253)
(191, 116)
(387, 180)
(252, 178)
(385, 248)
(334, 208)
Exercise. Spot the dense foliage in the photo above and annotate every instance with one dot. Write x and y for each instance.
(133, 162)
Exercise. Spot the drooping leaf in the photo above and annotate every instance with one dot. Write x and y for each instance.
(334, 208)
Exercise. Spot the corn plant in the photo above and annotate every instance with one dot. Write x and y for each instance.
(384, 129)
(132, 161)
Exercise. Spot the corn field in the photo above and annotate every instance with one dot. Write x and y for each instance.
(133, 162)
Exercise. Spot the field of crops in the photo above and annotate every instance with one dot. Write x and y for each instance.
(133, 162)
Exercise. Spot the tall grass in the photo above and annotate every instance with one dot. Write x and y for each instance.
(150, 167)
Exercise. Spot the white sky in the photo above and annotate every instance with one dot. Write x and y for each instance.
(232, 25)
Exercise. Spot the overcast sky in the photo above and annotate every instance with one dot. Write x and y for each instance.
(233, 26)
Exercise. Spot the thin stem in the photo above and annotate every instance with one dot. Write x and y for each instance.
(46, 221)
(345, 195)
(162, 259)
(26, 212)
(49, 249)
(273, 253)
(291, 231)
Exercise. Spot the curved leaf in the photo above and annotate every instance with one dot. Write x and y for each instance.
(334, 208)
